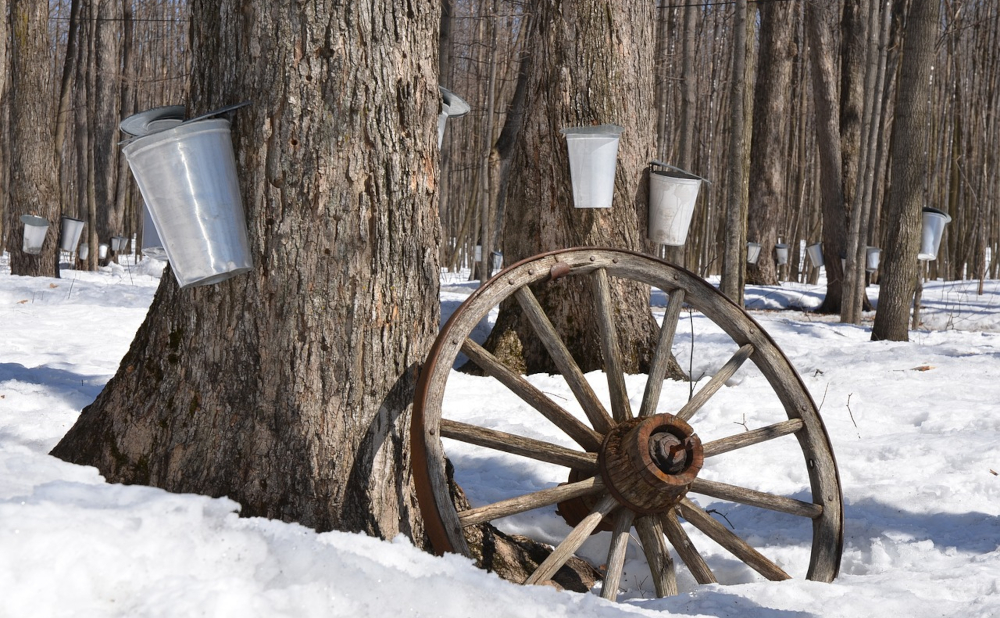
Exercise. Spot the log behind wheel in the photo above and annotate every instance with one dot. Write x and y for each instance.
(632, 468)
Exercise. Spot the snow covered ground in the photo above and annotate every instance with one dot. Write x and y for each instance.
(915, 428)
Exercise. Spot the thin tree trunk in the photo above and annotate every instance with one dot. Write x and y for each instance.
(734, 252)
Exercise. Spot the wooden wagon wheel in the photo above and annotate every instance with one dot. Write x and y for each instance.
(632, 469)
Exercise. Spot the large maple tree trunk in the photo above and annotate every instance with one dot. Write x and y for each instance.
(768, 162)
(594, 65)
(33, 187)
(288, 388)
(908, 156)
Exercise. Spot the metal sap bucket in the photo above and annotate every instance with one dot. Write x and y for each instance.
(84, 251)
(102, 251)
(672, 196)
(815, 253)
(753, 252)
(119, 243)
(593, 157)
(781, 254)
(35, 229)
(187, 177)
(452, 106)
(71, 230)
(931, 232)
(872, 255)
(152, 246)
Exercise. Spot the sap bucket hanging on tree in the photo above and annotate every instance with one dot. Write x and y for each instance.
(593, 157)
(152, 246)
(35, 229)
(452, 106)
(672, 196)
(781, 253)
(753, 252)
(931, 232)
(187, 177)
(815, 253)
(71, 230)
(872, 255)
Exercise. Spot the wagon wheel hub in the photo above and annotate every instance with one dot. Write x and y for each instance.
(648, 464)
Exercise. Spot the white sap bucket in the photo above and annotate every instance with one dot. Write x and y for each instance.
(872, 255)
(84, 251)
(593, 157)
(71, 230)
(452, 106)
(35, 229)
(781, 254)
(753, 252)
(187, 177)
(672, 196)
(102, 251)
(497, 260)
(815, 253)
(931, 232)
(118, 243)
(152, 246)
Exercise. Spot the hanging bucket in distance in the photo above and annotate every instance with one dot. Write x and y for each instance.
(593, 157)
(118, 243)
(71, 230)
(672, 196)
(152, 246)
(781, 254)
(35, 229)
(84, 251)
(102, 251)
(872, 255)
(753, 252)
(931, 231)
(815, 253)
(187, 177)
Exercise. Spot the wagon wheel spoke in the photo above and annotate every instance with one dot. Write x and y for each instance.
(534, 500)
(519, 445)
(661, 358)
(620, 407)
(732, 543)
(573, 427)
(716, 383)
(759, 499)
(573, 541)
(756, 436)
(686, 549)
(661, 565)
(561, 356)
(616, 554)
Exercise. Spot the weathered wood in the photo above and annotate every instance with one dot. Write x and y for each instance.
(519, 445)
(716, 383)
(573, 541)
(686, 549)
(751, 497)
(616, 554)
(661, 565)
(534, 500)
(756, 436)
(579, 432)
(592, 406)
(661, 359)
(621, 410)
(732, 543)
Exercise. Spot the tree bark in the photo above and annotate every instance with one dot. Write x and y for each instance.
(104, 116)
(734, 249)
(595, 66)
(768, 167)
(33, 185)
(288, 388)
(909, 166)
(828, 141)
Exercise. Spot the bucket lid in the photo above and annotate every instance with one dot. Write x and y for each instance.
(72, 219)
(603, 130)
(217, 112)
(454, 105)
(947, 217)
(34, 220)
(153, 120)
(675, 172)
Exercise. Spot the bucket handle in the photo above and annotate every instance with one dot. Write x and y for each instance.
(655, 162)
